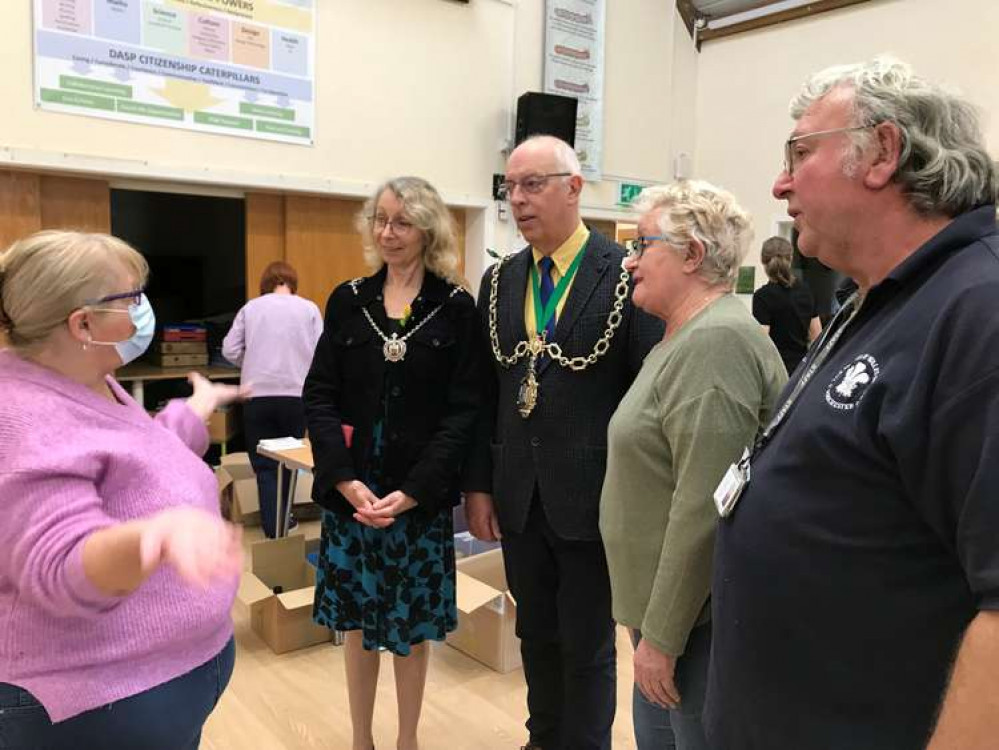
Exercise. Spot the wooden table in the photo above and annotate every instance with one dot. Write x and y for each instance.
(138, 373)
(292, 459)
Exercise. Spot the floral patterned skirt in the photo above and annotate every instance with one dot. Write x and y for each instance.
(396, 584)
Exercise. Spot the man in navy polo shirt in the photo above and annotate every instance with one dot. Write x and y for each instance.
(856, 590)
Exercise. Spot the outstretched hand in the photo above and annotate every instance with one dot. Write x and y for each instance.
(199, 545)
(208, 396)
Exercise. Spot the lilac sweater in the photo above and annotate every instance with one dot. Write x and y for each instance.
(273, 339)
(72, 462)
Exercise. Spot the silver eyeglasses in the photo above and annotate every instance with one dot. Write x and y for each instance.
(792, 157)
(400, 226)
(533, 184)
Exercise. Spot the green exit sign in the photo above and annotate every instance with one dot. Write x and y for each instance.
(627, 192)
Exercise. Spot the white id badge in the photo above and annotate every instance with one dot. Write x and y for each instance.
(732, 484)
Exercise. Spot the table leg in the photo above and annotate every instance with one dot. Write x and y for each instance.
(279, 526)
(139, 392)
(292, 486)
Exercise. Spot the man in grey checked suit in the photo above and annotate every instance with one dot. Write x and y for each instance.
(536, 472)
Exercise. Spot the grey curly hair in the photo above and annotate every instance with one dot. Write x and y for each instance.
(692, 209)
(943, 167)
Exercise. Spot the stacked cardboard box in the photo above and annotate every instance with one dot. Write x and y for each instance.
(181, 346)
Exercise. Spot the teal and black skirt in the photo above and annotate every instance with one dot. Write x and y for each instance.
(396, 585)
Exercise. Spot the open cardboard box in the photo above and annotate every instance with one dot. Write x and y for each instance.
(238, 485)
(284, 620)
(223, 423)
(487, 613)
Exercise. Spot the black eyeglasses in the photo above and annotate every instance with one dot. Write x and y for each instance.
(792, 157)
(533, 184)
(636, 248)
(134, 297)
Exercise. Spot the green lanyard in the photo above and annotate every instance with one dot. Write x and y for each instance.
(542, 316)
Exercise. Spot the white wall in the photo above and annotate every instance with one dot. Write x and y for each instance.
(639, 78)
(746, 81)
(425, 87)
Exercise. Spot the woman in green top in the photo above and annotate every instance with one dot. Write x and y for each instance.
(698, 401)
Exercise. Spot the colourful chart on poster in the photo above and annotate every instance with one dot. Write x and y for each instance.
(236, 67)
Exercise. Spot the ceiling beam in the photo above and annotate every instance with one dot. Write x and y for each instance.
(688, 13)
(811, 9)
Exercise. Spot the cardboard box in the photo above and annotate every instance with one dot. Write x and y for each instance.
(487, 613)
(466, 545)
(181, 332)
(225, 493)
(283, 620)
(181, 347)
(178, 360)
(223, 424)
(243, 499)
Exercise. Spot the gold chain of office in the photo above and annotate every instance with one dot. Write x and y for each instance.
(553, 350)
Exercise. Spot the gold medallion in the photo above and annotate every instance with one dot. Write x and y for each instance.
(394, 349)
(527, 394)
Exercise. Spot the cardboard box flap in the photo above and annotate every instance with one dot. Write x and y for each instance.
(252, 590)
(303, 488)
(271, 558)
(299, 598)
(472, 593)
(486, 567)
(245, 491)
(224, 478)
(238, 466)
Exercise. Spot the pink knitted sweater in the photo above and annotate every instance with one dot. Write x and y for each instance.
(72, 462)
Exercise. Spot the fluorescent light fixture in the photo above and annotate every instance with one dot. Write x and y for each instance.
(761, 12)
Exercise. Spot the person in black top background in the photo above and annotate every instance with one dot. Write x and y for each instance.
(785, 307)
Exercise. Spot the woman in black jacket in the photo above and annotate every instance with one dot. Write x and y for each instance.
(391, 398)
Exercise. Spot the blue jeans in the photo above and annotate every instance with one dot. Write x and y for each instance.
(166, 717)
(658, 728)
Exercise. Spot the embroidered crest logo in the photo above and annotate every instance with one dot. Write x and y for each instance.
(848, 387)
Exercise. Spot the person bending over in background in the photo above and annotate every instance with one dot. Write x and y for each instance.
(273, 339)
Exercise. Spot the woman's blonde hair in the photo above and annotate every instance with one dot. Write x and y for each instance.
(692, 209)
(423, 206)
(47, 275)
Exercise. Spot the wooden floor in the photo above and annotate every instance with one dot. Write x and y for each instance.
(298, 701)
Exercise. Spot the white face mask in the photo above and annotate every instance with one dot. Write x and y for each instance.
(144, 320)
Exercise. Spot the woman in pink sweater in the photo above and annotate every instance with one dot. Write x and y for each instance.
(116, 571)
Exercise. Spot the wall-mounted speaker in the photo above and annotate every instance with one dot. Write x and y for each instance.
(546, 114)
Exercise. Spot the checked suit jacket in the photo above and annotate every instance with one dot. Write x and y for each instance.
(562, 446)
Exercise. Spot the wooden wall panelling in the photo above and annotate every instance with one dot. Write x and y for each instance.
(265, 236)
(604, 227)
(20, 209)
(75, 203)
(459, 230)
(322, 244)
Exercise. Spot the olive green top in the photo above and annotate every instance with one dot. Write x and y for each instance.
(697, 402)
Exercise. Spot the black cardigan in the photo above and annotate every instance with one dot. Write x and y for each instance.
(439, 385)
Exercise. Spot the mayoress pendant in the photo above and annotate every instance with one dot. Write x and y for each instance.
(394, 349)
